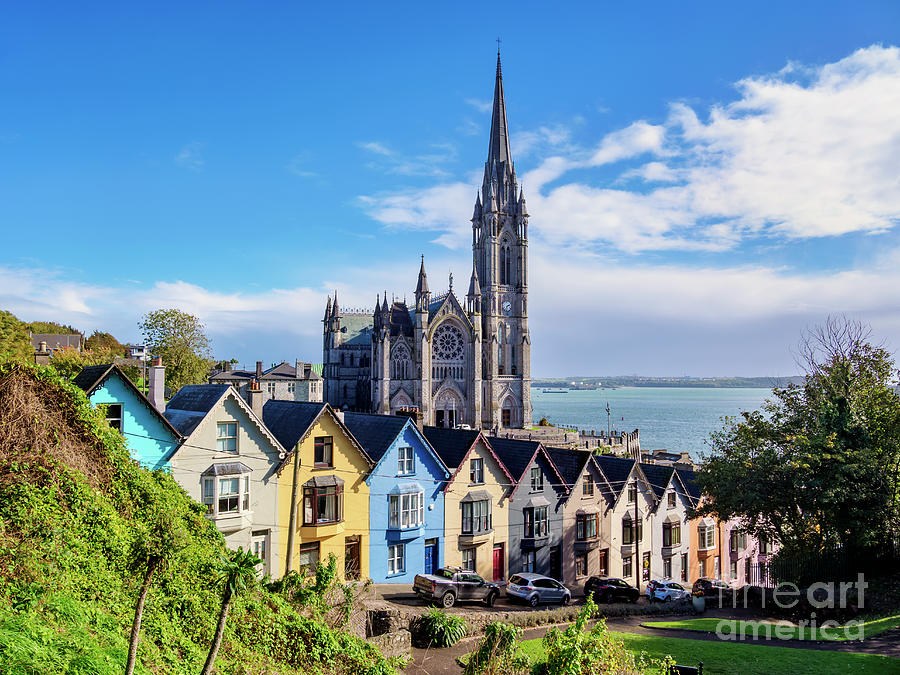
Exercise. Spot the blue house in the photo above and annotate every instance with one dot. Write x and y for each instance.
(148, 434)
(406, 502)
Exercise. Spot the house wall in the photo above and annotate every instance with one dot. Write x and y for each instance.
(351, 467)
(150, 441)
(431, 475)
(660, 515)
(612, 524)
(495, 483)
(253, 449)
(518, 544)
(708, 555)
(576, 502)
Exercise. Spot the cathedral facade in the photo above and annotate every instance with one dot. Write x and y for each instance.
(461, 361)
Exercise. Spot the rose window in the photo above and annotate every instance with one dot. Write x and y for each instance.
(448, 343)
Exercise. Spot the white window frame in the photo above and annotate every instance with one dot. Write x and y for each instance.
(396, 559)
(537, 479)
(469, 565)
(223, 436)
(476, 471)
(706, 537)
(406, 461)
(530, 560)
(115, 421)
(211, 494)
(406, 511)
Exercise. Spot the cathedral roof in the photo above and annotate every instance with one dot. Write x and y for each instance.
(357, 329)
(401, 321)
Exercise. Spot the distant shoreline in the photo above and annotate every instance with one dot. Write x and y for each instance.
(597, 383)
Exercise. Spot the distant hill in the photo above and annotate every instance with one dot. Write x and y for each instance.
(639, 381)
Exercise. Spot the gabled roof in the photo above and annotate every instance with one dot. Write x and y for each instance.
(92, 377)
(378, 432)
(454, 445)
(518, 455)
(616, 470)
(570, 463)
(197, 397)
(282, 371)
(688, 479)
(658, 477)
(291, 421)
(458, 311)
(401, 320)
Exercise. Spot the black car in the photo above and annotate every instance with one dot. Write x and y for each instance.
(608, 589)
(709, 587)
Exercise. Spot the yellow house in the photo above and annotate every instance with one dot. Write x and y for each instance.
(476, 505)
(323, 499)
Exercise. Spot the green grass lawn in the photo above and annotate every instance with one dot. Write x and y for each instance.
(746, 659)
(868, 628)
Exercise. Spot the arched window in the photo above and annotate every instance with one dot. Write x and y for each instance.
(501, 350)
(505, 264)
(400, 362)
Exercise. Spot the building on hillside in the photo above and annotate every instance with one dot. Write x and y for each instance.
(323, 499)
(149, 436)
(476, 503)
(406, 497)
(535, 511)
(582, 553)
(227, 462)
(53, 342)
(458, 361)
(282, 382)
(670, 531)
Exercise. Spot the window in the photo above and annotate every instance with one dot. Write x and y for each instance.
(406, 510)
(587, 487)
(476, 517)
(528, 564)
(323, 452)
(537, 479)
(226, 495)
(476, 470)
(270, 387)
(586, 526)
(308, 556)
(671, 534)
(734, 570)
(684, 566)
(292, 387)
(406, 463)
(628, 534)
(581, 564)
(627, 567)
(536, 522)
(506, 416)
(706, 535)
(738, 541)
(396, 559)
(667, 567)
(246, 494)
(468, 559)
(322, 504)
(229, 495)
(226, 436)
(114, 415)
(209, 487)
(671, 498)
(703, 567)
(632, 494)
(763, 546)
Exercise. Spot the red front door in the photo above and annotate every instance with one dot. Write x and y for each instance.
(498, 562)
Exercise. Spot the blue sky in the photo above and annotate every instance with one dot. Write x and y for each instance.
(703, 180)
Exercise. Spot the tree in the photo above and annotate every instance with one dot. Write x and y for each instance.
(68, 362)
(153, 548)
(180, 339)
(238, 573)
(818, 467)
(14, 341)
(51, 327)
(99, 340)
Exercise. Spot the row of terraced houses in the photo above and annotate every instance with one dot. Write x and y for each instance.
(297, 482)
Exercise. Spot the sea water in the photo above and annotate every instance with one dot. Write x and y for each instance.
(675, 418)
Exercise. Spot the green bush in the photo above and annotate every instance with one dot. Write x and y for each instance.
(497, 652)
(439, 629)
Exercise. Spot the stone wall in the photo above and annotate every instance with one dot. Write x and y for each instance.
(394, 643)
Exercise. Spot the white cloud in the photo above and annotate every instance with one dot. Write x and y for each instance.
(423, 164)
(481, 105)
(191, 156)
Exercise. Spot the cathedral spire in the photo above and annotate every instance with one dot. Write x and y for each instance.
(328, 309)
(334, 308)
(422, 285)
(474, 286)
(499, 147)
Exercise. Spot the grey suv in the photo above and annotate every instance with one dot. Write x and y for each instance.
(534, 588)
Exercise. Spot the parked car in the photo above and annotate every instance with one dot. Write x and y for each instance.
(667, 591)
(610, 589)
(451, 584)
(705, 586)
(535, 588)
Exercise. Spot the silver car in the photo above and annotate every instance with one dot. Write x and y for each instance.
(667, 591)
(535, 588)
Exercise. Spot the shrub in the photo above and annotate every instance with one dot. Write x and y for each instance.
(497, 652)
(440, 629)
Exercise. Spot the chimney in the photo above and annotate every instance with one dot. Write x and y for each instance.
(42, 355)
(413, 413)
(156, 384)
(259, 369)
(256, 397)
(339, 414)
(300, 369)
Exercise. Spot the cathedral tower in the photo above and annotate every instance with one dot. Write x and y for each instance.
(500, 251)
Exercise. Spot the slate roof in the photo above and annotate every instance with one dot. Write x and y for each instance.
(184, 421)
(569, 462)
(688, 477)
(616, 470)
(283, 371)
(515, 453)
(190, 405)
(451, 444)
(289, 420)
(658, 476)
(401, 320)
(90, 377)
(375, 432)
(57, 340)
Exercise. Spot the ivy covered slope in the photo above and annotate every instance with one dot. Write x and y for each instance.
(72, 507)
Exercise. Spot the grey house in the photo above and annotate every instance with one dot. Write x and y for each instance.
(536, 502)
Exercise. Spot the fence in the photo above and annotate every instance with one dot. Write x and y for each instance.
(835, 565)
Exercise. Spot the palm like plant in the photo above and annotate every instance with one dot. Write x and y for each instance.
(238, 572)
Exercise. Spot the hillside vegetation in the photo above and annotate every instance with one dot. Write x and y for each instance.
(73, 509)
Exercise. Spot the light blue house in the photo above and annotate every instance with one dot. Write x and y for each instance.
(406, 502)
(150, 437)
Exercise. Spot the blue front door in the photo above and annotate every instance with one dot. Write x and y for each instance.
(430, 556)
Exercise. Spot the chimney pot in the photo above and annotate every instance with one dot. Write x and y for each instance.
(259, 368)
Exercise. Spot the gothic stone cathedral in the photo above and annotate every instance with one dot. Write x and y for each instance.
(458, 363)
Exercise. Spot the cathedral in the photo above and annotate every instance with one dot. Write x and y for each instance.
(459, 361)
